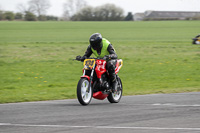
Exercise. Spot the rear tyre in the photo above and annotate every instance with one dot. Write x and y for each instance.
(114, 97)
(84, 92)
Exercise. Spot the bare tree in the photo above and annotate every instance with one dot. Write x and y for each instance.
(39, 6)
(23, 9)
(71, 7)
(85, 14)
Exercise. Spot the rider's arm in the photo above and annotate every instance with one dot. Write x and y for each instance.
(88, 52)
(112, 52)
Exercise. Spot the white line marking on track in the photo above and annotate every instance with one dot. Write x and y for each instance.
(176, 105)
(102, 127)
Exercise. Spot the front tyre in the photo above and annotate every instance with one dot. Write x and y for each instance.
(114, 97)
(84, 92)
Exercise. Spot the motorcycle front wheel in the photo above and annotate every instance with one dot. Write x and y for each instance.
(114, 97)
(84, 92)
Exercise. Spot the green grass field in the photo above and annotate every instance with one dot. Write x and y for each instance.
(36, 57)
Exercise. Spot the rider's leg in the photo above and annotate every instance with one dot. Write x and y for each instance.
(111, 64)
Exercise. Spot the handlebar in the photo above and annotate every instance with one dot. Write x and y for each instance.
(95, 58)
(90, 58)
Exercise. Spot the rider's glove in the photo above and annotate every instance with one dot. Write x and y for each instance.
(79, 58)
(83, 58)
(106, 57)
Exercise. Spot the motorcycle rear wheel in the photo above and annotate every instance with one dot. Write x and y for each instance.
(84, 92)
(114, 97)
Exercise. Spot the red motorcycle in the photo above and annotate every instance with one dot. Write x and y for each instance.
(96, 83)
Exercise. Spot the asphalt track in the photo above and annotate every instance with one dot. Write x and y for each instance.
(157, 113)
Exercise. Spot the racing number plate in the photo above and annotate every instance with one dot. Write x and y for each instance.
(88, 64)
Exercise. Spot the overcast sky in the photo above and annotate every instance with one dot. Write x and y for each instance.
(133, 6)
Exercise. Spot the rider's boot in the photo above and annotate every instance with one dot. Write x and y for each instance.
(114, 82)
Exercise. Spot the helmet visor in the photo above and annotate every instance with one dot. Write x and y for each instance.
(96, 45)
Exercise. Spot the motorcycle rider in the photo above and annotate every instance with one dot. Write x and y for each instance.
(102, 48)
(196, 40)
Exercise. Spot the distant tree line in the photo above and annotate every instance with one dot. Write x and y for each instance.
(78, 10)
(34, 12)
(27, 16)
(107, 12)
(74, 10)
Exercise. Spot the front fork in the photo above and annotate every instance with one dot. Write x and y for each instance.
(89, 78)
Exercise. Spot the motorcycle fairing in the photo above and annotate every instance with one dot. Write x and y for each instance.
(99, 95)
(100, 68)
(119, 64)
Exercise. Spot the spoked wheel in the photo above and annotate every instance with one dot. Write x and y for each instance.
(84, 92)
(115, 97)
